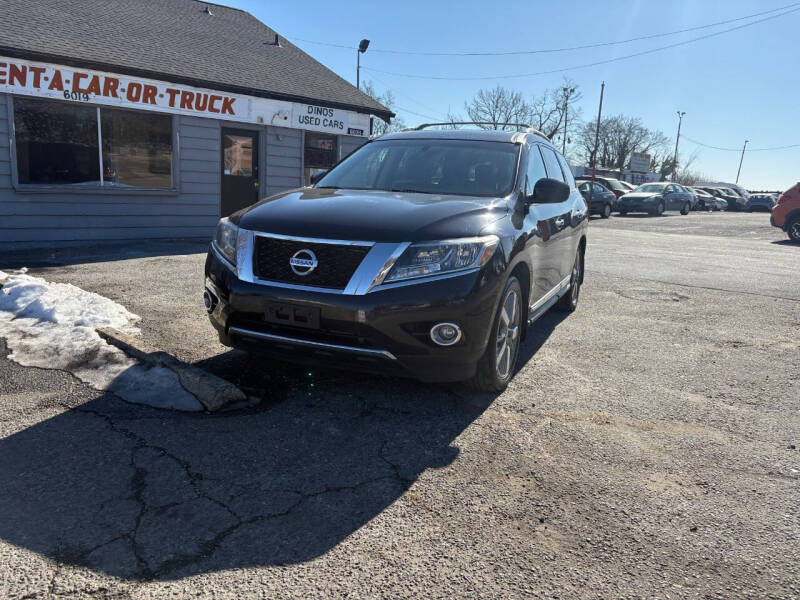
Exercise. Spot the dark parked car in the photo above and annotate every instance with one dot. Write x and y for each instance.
(655, 198)
(760, 202)
(734, 200)
(603, 200)
(705, 201)
(424, 253)
(615, 185)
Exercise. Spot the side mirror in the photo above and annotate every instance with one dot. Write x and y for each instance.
(317, 176)
(549, 191)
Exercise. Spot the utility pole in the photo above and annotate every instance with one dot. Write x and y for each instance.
(677, 139)
(596, 141)
(568, 91)
(741, 160)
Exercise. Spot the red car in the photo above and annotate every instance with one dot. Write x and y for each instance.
(786, 213)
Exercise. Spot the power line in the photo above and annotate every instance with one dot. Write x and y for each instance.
(583, 66)
(739, 149)
(408, 97)
(552, 50)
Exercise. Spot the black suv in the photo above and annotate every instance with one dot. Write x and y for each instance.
(425, 253)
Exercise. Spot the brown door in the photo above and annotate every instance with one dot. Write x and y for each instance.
(239, 169)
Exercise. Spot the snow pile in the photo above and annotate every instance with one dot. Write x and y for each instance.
(52, 326)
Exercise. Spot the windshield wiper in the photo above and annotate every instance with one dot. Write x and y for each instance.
(410, 191)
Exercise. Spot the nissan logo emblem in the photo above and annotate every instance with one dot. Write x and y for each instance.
(303, 262)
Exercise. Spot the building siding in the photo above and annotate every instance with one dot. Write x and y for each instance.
(33, 218)
(284, 159)
(29, 218)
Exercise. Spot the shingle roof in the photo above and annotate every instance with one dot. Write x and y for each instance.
(176, 40)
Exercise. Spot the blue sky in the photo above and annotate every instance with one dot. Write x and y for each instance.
(736, 86)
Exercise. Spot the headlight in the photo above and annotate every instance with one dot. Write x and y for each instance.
(433, 258)
(225, 239)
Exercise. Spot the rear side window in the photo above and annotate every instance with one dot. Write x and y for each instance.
(535, 170)
(551, 162)
(568, 178)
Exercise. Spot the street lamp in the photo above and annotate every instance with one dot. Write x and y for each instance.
(362, 47)
(677, 139)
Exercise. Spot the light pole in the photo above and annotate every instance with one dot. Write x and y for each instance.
(596, 142)
(362, 47)
(677, 139)
(568, 91)
(741, 160)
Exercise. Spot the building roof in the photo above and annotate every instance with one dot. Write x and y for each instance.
(181, 41)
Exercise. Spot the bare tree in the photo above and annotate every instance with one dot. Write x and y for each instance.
(496, 107)
(620, 136)
(379, 126)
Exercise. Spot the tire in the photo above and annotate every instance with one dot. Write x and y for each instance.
(496, 366)
(569, 301)
(686, 208)
(793, 229)
(701, 205)
(606, 211)
(659, 210)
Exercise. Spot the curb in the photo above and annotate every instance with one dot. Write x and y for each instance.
(213, 392)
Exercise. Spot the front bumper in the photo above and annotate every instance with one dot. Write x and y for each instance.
(637, 205)
(385, 330)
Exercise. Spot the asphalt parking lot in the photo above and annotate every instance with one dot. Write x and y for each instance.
(647, 447)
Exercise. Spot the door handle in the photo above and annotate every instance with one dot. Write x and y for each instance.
(560, 222)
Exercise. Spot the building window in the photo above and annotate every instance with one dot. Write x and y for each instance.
(56, 142)
(137, 148)
(320, 154)
(59, 143)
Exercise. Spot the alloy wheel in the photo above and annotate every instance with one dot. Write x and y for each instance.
(794, 230)
(575, 287)
(507, 341)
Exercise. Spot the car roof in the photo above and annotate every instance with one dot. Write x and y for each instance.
(484, 135)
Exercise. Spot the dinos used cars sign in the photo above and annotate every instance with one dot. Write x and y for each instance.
(98, 87)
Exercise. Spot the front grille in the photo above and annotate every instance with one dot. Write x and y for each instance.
(336, 262)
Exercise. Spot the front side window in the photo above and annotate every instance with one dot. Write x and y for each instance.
(535, 171)
(551, 162)
(429, 166)
(60, 143)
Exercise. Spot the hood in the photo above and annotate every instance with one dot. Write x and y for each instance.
(641, 195)
(371, 215)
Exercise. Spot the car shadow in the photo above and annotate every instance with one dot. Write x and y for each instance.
(64, 255)
(141, 493)
(786, 242)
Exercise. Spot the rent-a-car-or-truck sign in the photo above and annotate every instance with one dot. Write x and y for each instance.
(98, 87)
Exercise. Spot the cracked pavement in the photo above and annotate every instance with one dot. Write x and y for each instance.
(646, 448)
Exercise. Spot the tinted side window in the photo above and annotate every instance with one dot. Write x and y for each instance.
(535, 170)
(568, 178)
(551, 162)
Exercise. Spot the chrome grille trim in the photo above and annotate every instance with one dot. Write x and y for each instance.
(311, 343)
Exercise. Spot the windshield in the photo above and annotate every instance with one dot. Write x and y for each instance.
(649, 188)
(429, 166)
(614, 184)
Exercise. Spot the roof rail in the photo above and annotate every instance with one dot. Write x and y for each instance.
(492, 123)
(525, 126)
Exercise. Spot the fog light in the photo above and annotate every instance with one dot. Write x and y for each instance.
(209, 301)
(446, 334)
